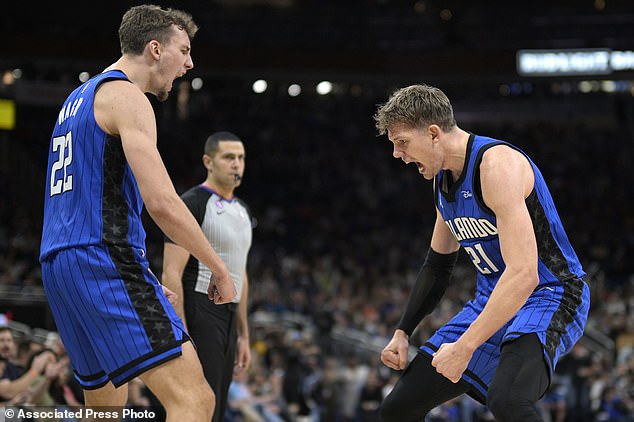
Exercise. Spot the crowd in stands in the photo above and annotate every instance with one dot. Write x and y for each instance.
(342, 230)
(35, 372)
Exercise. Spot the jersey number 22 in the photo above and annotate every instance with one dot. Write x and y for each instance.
(61, 181)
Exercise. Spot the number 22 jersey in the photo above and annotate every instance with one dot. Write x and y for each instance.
(91, 196)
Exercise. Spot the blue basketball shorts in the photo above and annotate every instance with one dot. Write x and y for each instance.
(111, 313)
(556, 314)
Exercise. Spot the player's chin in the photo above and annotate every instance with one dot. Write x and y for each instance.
(427, 175)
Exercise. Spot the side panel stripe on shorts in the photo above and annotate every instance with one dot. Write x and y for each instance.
(156, 323)
(554, 259)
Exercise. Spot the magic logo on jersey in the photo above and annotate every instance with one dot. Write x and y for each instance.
(467, 228)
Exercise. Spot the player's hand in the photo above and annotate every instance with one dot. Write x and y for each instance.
(394, 355)
(221, 289)
(451, 360)
(170, 295)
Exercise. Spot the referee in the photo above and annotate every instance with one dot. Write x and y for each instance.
(220, 332)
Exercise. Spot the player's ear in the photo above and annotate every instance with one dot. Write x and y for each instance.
(154, 48)
(434, 131)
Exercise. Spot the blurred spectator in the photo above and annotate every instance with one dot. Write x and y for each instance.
(245, 406)
(553, 405)
(371, 397)
(64, 389)
(574, 373)
(14, 380)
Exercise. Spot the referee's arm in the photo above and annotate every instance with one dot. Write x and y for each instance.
(174, 260)
(243, 349)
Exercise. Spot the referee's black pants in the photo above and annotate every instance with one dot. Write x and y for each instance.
(213, 330)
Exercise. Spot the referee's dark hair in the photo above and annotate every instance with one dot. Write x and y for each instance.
(211, 145)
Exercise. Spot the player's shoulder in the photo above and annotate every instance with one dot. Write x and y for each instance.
(502, 154)
(119, 103)
(117, 89)
(123, 95)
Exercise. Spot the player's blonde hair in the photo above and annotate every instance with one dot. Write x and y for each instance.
(416, 106)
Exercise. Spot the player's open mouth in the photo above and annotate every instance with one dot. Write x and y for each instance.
(420, 166)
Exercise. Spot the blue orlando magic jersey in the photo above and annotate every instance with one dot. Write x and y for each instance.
(557, 309)
(474, 225)
(91, 194)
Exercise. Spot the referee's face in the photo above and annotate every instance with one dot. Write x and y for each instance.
(227, 164)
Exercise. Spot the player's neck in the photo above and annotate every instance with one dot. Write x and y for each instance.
(132, 67)
(456, 151)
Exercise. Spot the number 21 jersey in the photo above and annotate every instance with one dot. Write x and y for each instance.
(473, 224)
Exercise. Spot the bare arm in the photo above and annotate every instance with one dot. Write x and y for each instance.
(43, 384)
(243, 350)
(122, 109)
(174, 261)
(442, 241)
(507, 179)
(9, 389)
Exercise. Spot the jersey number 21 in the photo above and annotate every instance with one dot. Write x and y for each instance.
(480, 259)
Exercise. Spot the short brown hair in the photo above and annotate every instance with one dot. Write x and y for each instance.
(147, 22)
(211, 145)
(416, 106)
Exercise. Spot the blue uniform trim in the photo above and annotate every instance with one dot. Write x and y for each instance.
(92, 382)
(147, 362)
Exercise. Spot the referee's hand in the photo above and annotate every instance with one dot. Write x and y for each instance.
(170, 295)
(221, 289)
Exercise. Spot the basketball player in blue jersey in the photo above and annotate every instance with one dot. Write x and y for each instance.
(531, 302)
(113, 316)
